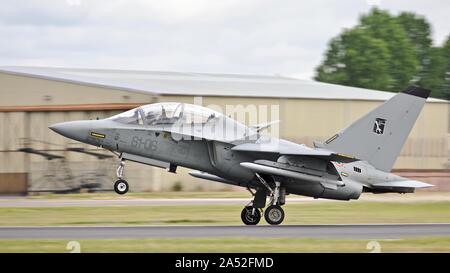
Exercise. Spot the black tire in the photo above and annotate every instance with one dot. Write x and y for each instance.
(274, 215)
(121, 186)
(250, 217)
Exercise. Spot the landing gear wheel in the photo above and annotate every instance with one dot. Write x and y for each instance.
(274, 215)
(121, 186)
(250, 215)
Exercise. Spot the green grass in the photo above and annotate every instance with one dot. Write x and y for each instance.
(152, 195)
(233, 245)
(305, 213)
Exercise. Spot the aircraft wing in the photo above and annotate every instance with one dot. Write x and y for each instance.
(284, 147)
(274, 168)
(280, 149)
(403, 184)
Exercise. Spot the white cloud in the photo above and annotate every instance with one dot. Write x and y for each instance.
(233, 36)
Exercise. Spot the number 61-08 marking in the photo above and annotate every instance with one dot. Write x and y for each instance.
(147, 144)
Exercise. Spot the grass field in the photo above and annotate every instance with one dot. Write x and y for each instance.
(231, 245)
(419, 196)
(151, 195)
(305, 213)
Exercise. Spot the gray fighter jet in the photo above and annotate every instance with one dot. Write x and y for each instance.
(355, 160)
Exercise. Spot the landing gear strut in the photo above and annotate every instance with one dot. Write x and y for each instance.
(121, 185)
(251, 214)
(274, 214)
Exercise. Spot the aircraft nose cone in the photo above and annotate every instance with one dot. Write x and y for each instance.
(77, 130)
(58, 127)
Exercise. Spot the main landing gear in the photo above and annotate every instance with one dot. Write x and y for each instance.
(121, 185)
(250, 215)
(274, 214)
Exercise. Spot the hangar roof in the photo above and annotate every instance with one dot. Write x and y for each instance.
(201, 84)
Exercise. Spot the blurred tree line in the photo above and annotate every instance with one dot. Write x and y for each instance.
(387, 52)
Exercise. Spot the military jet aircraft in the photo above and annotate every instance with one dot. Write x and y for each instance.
(355, 160)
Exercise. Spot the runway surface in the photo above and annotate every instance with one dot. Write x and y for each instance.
(377, 231)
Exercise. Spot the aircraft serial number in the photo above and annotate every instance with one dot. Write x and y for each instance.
(147, 144)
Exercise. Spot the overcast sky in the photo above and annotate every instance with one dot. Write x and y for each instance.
(267, 37)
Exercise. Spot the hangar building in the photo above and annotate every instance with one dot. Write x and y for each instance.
(32, 157)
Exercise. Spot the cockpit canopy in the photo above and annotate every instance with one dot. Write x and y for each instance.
(183, 118)
(166, 114)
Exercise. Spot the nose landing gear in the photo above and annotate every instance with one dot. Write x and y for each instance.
(121, 185)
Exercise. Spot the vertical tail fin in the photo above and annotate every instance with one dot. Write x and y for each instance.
(379, 136)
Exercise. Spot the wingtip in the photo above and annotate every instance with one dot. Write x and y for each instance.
(417, 91)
